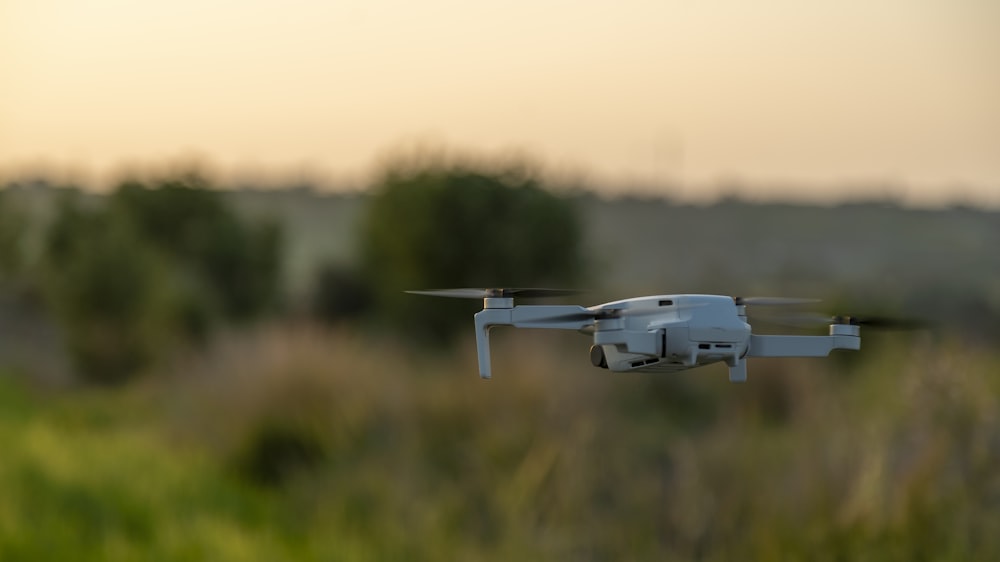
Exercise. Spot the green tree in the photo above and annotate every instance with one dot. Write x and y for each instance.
(12, 227)
(235, 262)
(106, 289)
(435, 225)
(339, 294)
(151, 269)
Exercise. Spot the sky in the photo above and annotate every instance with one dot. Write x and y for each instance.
(823, 100)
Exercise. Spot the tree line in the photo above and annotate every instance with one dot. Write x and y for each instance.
(161, 265)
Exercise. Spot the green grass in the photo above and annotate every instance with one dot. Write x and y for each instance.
(80, 482)
(410, 456)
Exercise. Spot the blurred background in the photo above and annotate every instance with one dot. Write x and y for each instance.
(209, 214)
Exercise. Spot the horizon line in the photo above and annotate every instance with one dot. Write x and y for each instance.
(322, 180)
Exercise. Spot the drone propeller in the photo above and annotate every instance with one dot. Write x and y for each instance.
(881, 322)
(603, 313)
(772, 301)
(876, 322)
(478, 293)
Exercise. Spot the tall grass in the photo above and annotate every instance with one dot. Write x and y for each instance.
(300, 443)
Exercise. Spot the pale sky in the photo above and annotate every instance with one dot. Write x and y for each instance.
(771, 93)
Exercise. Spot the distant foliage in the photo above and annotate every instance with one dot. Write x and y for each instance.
(236, 263)
(152, 268)
(108, 292)
(275, 451)
(340, 294)
(12, 227)
(436, 225)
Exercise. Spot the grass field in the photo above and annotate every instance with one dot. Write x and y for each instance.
(298, 443)
(284, 440)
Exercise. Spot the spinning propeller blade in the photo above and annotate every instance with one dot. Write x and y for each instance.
(478, 293)
(881, 322)
(772, 301)
(875, 322)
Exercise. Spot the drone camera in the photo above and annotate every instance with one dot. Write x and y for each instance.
(597, 357)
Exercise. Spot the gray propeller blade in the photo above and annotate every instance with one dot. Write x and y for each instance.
(876, 322)
(477, 293)
(537, 292)
(608, 313)
(772, 301)
(454, 293)
(601, 313)
(882, 322)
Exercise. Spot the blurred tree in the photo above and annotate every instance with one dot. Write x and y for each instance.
(236, 262)
(339, 294)
(434, 225)
(275, 450)
(105, 287)
(153, 268)
(12, 227)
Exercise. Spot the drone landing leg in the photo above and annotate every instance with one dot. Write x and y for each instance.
(499, 312)
(738, 371)
(485, 320)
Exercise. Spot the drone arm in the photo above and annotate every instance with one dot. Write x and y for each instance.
(841, 337)
(558, 317)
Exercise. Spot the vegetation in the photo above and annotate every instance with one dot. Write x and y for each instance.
(234, 262)
(109, 294)
(443, 225)
(340, 294)
(11, 237)
(552, 460)
(153, 267)
(283, 438)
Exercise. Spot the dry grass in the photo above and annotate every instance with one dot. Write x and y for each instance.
(294, 442)
(889, 457)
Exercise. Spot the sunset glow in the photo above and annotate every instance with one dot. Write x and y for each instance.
(672, 96)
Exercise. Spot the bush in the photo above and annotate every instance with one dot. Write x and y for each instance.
(275, 451)
(151, 269)
(12, 227)
(236, 262)
(340, 294)
(107, 291)
(435, 225)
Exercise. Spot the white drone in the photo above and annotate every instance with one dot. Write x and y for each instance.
(660, 333)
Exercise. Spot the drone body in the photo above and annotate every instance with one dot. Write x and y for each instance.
(659, 333)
